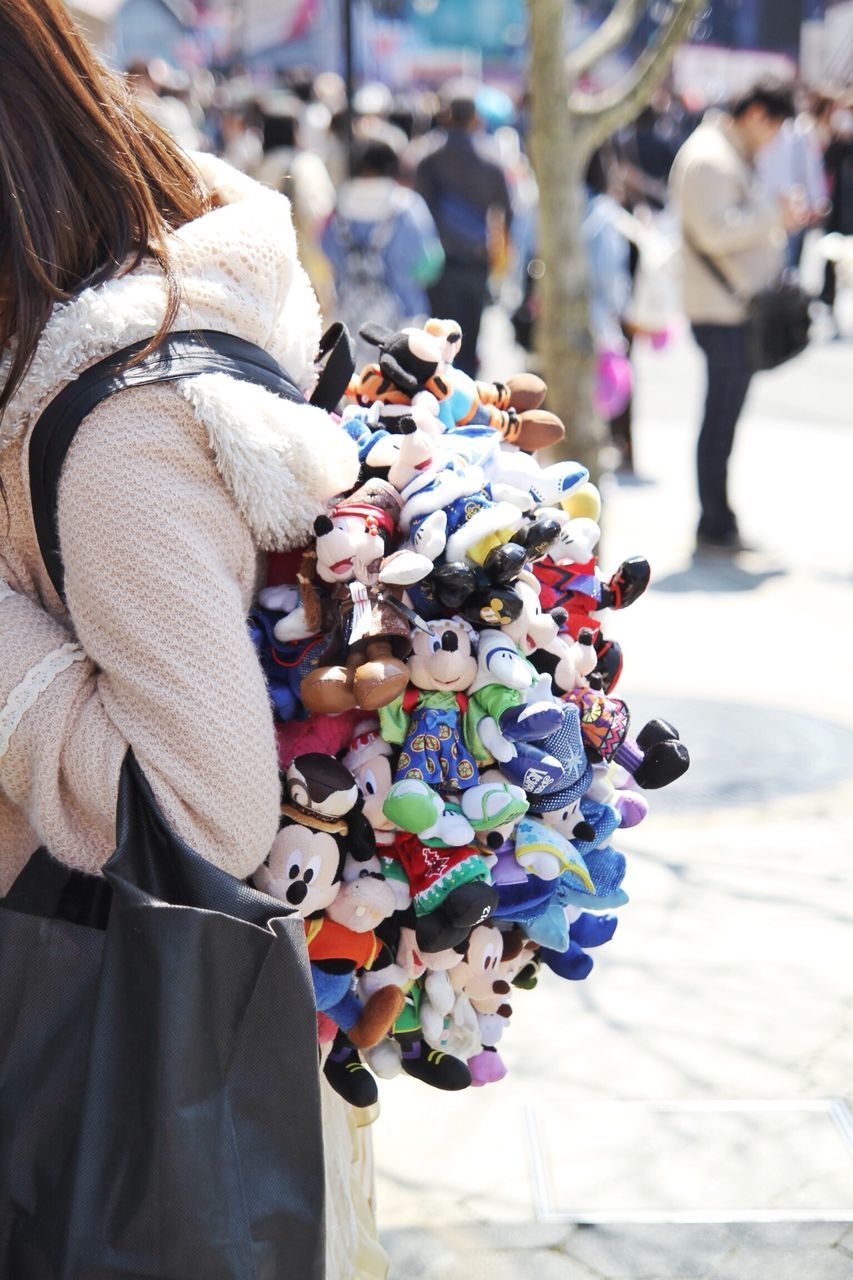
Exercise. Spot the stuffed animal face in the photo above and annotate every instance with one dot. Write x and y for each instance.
(344, 540)
(374, 778)
(533, 629)
(302, 870)
(410, 359)
(477, 974)
(566, 820)
(442, 659)
(365, 898)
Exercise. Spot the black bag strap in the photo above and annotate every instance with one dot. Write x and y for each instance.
(715, 269)
(183, 354)
(337, 354)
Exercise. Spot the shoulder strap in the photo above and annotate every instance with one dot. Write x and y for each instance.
(181, 355)
(715, 269)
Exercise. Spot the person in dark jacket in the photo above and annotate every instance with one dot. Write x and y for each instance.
(463, 186)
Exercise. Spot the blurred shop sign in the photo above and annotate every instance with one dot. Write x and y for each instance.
(266, 24)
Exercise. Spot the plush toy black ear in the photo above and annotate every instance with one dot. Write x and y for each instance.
(394, 371)
(376, 334)
(361, 842)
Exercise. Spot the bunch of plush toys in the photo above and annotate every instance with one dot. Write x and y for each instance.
(455, 764)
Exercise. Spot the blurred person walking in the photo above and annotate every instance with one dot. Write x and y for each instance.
(301, 176)
(139, 658)
(465, 188)
(154, 84)
(791, 167)
(838, 159)
(734, 237)
(383, 246)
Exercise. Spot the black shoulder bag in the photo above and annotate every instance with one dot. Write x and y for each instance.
(777, 321)
(159, 1086)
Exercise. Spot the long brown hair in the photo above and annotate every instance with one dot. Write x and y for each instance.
(89, 185)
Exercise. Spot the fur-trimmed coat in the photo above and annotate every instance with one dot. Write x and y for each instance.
(168, 497)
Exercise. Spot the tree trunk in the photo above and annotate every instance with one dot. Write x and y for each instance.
(563, 335)
(566, 127)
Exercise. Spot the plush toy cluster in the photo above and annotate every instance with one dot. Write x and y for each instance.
(455, 764)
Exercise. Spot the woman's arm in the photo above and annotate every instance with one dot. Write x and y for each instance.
(160, 567)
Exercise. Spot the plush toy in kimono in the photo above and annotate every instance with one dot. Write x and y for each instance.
(315, 867)
(435, 764)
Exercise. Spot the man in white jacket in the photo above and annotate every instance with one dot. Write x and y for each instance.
(734, 239)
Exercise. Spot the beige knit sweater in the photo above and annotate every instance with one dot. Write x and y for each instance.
(167, 496)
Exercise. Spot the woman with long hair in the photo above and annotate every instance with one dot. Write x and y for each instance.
(170, 494)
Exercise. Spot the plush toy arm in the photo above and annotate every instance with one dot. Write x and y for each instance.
(433, 1025)
(463, 1034)
(371, 980)
(492, 1026)
(541, 690)
(293, 627)
(494, 741)
(405, 568)
(438, 987)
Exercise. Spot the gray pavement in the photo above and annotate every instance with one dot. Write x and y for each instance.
(685, 1112)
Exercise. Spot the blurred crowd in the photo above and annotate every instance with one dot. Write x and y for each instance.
(423, 202)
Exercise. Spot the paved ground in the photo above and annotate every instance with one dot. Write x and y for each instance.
(682, 1113)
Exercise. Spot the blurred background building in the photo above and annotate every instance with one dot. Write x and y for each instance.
(406, 41)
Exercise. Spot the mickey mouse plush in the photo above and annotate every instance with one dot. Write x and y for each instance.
(351, 588)
(323, 833)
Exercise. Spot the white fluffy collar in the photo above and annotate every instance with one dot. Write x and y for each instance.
(239, 273)
(238, 270)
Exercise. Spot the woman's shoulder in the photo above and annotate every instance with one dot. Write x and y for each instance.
(276, 464)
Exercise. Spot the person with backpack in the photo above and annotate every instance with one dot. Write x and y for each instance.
(136, 662)
(383, 246)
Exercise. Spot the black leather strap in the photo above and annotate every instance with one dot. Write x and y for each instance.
(180, 355)
(338, 352)
(715, 269)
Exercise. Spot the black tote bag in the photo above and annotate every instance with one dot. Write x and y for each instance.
(158, 1070)
(778, 317)
(159, 1076)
